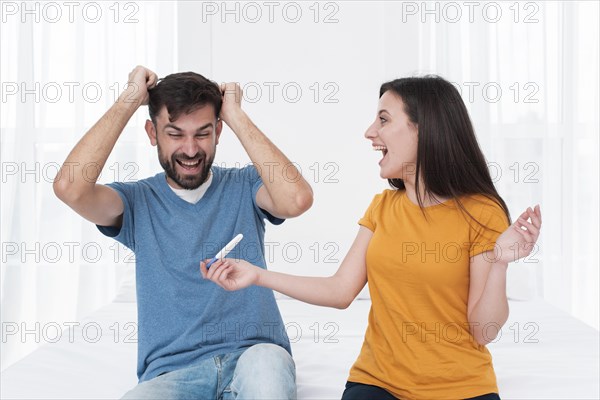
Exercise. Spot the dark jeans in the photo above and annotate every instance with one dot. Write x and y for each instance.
(359, 391)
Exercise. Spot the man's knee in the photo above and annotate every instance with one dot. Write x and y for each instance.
(267, 355)
(149, 390)
(265, 371)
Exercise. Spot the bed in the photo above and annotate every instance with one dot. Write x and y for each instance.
(542, 353)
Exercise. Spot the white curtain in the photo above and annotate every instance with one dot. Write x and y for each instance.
(529, 79)
(59, 75)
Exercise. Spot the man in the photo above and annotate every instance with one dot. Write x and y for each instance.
(195, 340)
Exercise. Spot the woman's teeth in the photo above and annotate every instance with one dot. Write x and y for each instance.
(383, 149)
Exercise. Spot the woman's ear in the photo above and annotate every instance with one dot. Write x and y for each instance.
(151, 131)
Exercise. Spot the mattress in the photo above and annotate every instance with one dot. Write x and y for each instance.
(541, 353)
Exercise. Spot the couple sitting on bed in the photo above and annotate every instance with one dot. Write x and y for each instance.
(435, 249)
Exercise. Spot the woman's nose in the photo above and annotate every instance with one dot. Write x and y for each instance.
(371, 132)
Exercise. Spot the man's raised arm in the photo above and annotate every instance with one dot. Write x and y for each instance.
(279, 196)
(75, 184)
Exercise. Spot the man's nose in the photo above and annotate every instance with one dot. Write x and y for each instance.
(190, 147)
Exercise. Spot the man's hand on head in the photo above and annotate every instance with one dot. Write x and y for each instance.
(280, 197)
(140, 80)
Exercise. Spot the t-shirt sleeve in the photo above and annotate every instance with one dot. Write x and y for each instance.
(368, 220)
(251, 173)
(494, 221)
(124, 234)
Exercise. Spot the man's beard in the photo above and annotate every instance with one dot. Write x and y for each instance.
(187, 181)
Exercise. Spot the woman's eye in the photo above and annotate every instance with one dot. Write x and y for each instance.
(382, 120)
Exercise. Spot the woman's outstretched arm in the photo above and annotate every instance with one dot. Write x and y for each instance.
(338, 290)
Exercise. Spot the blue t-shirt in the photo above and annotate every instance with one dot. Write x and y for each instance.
(183, 318)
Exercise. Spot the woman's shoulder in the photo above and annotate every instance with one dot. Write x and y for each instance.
(385, 198)
(481, 205)
(388, 195)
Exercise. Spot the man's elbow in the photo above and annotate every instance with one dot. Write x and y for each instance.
(304, 201)
(62, 190)
(67, 192)
(301, 203)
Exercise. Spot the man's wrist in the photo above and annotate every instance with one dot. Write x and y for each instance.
(237, 120)
(127, 104)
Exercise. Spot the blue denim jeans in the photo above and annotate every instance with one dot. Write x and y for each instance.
(263, 371)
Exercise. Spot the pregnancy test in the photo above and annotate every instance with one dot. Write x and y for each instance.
(225, 250)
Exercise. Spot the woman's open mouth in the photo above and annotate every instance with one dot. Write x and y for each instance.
(383, 150)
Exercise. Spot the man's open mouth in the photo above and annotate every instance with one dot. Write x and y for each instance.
(189, 164)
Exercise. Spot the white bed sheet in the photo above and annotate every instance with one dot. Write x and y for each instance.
(543, 353)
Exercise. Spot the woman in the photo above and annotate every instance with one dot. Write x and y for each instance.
(432, 250)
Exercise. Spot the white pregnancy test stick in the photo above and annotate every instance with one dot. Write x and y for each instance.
(226, 249)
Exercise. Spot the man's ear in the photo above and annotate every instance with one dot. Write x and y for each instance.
(151, 131)
(218, 129)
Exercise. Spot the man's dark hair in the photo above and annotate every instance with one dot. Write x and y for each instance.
(183, 92)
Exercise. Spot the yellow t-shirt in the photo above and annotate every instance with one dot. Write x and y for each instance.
(418, 344)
